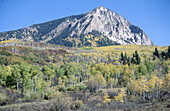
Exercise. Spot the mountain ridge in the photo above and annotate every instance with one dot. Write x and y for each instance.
(99, 27)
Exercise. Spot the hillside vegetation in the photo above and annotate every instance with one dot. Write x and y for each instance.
(40, 76)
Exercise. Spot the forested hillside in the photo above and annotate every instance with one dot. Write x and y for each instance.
(40, 76)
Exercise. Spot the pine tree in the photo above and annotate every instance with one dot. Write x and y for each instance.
(169, 49)
(156, 53)
(137, 57)
(168, 53)
(132, 60)
(123, 58)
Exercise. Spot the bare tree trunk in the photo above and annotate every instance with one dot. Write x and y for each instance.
(17, 84)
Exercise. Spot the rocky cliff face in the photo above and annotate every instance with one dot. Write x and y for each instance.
(98, 27)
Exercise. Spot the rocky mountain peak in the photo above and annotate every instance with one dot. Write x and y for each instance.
(99, 27)
(101, 8)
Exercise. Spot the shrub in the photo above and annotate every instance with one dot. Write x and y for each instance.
(98, 104)
(7, 53)
(3, 99)
(133, 98)
(106, 98)
(120, 96)
(61, 102)
(76, 87)
(167, 80)
(76, 104)
(62, 88)
(14, 60)
(32, 96)
(71, 88)
(2, 60)
(80, 86)
(51, 93)
(7, 96)
(96, 82)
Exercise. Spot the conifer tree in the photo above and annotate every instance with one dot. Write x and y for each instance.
(156, 53)
(168, 53)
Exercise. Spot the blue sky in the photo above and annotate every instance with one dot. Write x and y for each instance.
(153, 16)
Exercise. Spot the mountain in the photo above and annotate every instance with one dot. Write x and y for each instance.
(99, 27)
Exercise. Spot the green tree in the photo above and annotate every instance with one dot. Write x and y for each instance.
(128, 75)
(34, 70)
(15, 76)
(150, 66)
(49, 74)
(3, 75)
(25, 77)
(141, 70)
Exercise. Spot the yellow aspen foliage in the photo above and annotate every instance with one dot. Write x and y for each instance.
(159, 83)
(7, 41)
(167, 80)
(100, 80)
(139, 86)
(41, 85)
(96, 82)
(8, 70)
(143, 84)
(93, 70)
(111, 82)
(116, 81)
(106, 98)
(151, 82)
(132, 87)
(60, 81)
(120, 96)
(154, 83)
(128, 75)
